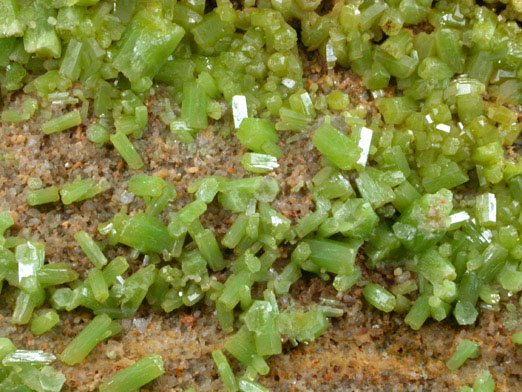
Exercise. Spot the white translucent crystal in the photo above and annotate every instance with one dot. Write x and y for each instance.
(443, 127)
(239, 109)
(331, 58)
(290, 83)
(365, 143)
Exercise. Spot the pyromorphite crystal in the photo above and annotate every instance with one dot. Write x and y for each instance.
(336, 146)
(40, 36)
(367, 177)
(426, 221)
(144, 233)
(146, 45)
(10, 24)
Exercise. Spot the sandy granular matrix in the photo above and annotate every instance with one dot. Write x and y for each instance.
(365, 350)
